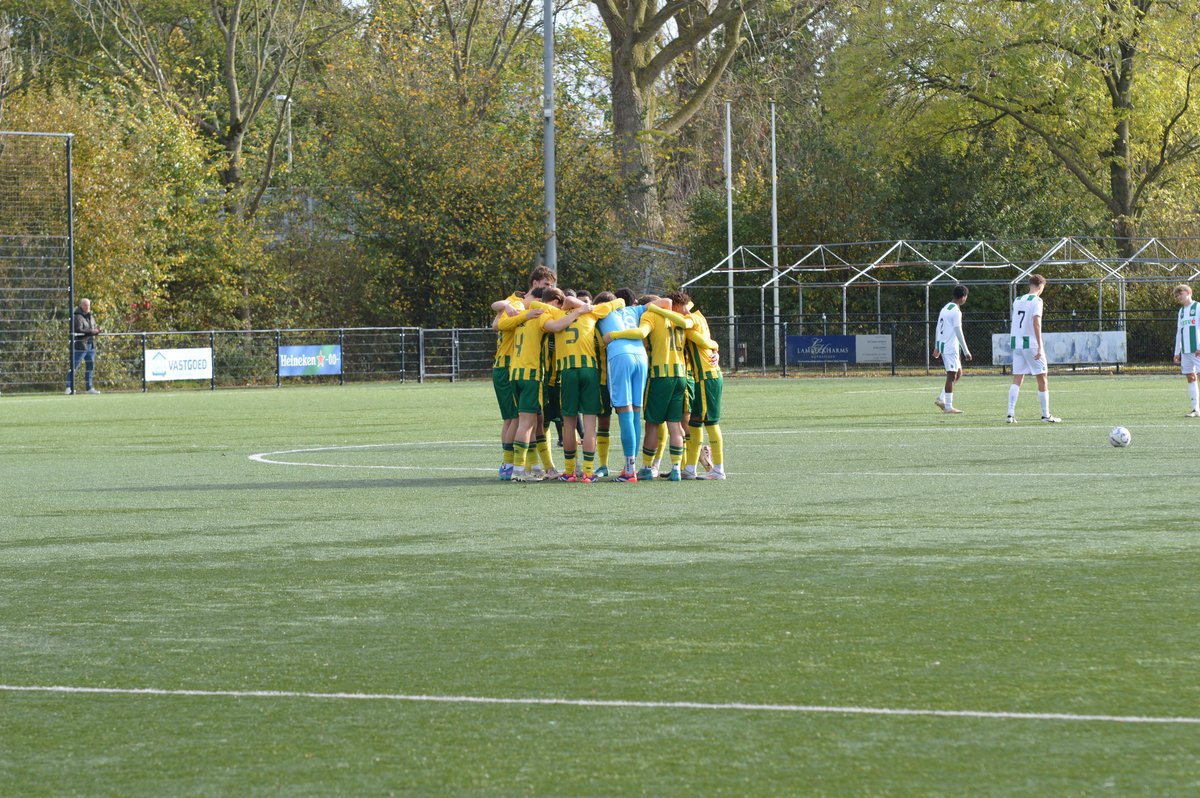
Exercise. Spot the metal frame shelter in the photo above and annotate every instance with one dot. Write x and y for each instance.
(1078, 260)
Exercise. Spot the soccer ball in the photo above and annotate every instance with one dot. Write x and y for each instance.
(1119, 437)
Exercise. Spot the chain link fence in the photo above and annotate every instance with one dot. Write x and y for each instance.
(400, 354)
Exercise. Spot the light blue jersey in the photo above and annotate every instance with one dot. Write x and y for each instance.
(623, 319)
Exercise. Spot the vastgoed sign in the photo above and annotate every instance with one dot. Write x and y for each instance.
(179, 364)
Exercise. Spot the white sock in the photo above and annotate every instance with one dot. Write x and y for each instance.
(1013, 392)
(942, 396)
(1044, 398)
(949, 401)
(1194, 394)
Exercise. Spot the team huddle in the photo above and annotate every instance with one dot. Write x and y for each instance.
(1029, 352)
(573, 359)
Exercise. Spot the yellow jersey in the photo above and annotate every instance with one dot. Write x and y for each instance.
(527, 361)
(665, 330)
(698, 346)
(505, 338)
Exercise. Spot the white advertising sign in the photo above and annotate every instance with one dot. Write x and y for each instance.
(873, 349)
(1073, 348)
(178, 364)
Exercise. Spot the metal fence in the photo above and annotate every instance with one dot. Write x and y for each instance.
(378, 354)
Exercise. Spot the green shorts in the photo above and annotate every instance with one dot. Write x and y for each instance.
(506, 397)
(529, 395)
(664, 399)
(707, 406)
(551, 409)
(605, 402)
(580, 391)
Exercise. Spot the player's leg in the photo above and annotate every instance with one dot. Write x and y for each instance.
(1189, 364)
(569, 398)
(953, 370)
(657, 400)
(675, 428)
(603, 425)
(712, 424)
(620, 387)
(1020, 367)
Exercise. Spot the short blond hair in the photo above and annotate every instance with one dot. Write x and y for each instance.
(1182, 288)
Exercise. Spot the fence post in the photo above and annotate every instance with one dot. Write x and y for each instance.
(342, 349)
(212, 347)
(278, 341)
(454, 355)
(421, 354)
(893, 349)
(785, 358)
(143, 337)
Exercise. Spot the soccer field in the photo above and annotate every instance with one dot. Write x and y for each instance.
(326, 591)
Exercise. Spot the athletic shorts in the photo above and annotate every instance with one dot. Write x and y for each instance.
(529, 395)
(951, 361)
(1189, 363)
(1023, 362)
(551, 409)
(580, 391)
(627, 379)
(707, 405)
(505, 396)
(664, 400)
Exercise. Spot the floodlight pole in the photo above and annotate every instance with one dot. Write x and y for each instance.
(729, 224)
(551, 255)
(775, 233)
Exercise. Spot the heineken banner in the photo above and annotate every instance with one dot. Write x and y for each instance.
(304, 361)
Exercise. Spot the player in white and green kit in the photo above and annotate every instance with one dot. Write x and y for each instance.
(1029, 354)
(950, 345)
(1187, 338)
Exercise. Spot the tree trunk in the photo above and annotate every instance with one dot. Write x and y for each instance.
(634, 150)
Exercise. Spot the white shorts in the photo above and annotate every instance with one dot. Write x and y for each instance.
(1023, 362)
(1189, 363)
(951, 360)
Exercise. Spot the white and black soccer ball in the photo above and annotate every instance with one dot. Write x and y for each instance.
(1119, 437)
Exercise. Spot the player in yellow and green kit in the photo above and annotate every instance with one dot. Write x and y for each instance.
(701, 351)
(525, 370)
(577, 364)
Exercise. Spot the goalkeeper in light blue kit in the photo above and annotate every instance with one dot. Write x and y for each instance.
(627, 370)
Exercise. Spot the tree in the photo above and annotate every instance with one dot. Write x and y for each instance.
(648, 38)
(1105, 86)
(219, 64)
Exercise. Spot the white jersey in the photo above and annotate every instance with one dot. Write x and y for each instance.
(1186, 333)
(949, 332)
(1024, 311)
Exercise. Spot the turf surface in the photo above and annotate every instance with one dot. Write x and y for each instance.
(867, 553)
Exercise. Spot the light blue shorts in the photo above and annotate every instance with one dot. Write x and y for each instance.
(627, 379)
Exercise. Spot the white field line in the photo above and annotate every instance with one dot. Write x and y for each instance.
(813, 709)
(266, 457)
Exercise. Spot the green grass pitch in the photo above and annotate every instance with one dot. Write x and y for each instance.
(768, 635)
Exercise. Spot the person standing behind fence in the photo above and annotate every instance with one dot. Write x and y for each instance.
(950, 345)
(83, 345)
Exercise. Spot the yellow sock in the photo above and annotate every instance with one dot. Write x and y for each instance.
(647, 457)
(694, 442)
(662, 441)
(543, 450)
(589, 459)
(520, 454)
(717, 444)
(568, 461)
(602, 448)
(509, 454)
(676, 456)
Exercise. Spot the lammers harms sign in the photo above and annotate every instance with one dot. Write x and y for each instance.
(301, 361)
(839, 349)
(179, 364)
